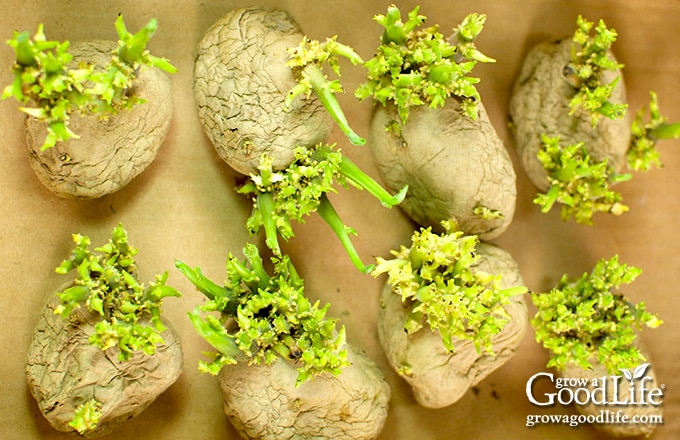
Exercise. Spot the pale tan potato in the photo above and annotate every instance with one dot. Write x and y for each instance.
(262, 402)
(240, 83)
(439, 378)
(64, 371)
(452, 164)
(110, 152)
(647, 411)
(539, 104)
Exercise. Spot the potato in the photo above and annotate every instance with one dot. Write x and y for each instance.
(438, 377)
(112, 150)
(263, 402)
(64, 371)
(539, 104)
(452, 164)
(241, 80)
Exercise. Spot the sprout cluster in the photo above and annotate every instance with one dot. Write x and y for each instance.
(45, 78)
(261, 317)
(415, 66)
(590, 56)
(301, 189)
(106, 284)
(642, 154)
(86, 416)
(580, 186)
(437, 276)
(585, 319)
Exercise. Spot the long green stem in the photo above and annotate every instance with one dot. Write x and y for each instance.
(666, 131)
(330, 216)
(202, 283)
(351, 171)
(265, 204)
(324, 91)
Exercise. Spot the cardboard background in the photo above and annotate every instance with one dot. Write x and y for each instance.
(184, 207)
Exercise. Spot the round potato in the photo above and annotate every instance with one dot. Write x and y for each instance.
(111, 150)
(438, 377)
(64, 371)
(263, 402)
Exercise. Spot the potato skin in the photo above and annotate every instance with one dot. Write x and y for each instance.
(262, 402)
(539, 104)
(64, 371)
(111, 151)
(437, 377)
(451, 163)
(240, 83)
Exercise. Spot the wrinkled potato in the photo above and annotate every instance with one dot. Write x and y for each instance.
(262, 402)
(64, 371)
(643, 412)
(110, 151)
(540, 105)
(241, 80)
(452, 164)
(438, 377)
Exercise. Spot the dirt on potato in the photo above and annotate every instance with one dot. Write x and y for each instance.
(111, 150)
(452, 164)
(241, 80)
(439, 378)
(64, 371)
(262, 402)
(540, 105)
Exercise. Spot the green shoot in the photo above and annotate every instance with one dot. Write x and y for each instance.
(642, 154)
(45, 78)
(86, 416)
(585, 319)
(262, 317)
(414, 67)
(581, 187)
(589, 59)
(437, 278)
(106, 284)
(307, 61)
(280, 197)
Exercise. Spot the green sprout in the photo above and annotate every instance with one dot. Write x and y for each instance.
(301, 189)
(263, 317)
(585, 319)
(45, 78)
(86, 416)
(642, 153)
(307, 61)
(581, 187)
(589, 59)
(106, 284)
(413, 67)
(437, 277)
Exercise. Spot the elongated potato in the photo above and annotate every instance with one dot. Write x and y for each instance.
(540, 105)
(240, 83)
(455, 167)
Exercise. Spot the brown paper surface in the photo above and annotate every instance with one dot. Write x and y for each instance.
(184, 207)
